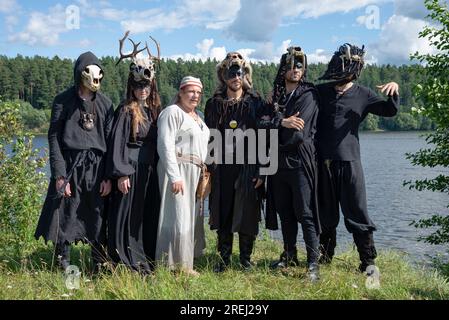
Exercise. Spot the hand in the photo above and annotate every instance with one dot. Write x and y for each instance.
(293, 122)
(177, 186)
(259, 182)
(390, 88)
(59, 183)
(123, 184)
(105, 188)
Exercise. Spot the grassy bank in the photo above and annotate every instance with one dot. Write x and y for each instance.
(34, 278)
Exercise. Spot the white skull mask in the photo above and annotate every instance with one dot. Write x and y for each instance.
(142, 69)
(91, 77)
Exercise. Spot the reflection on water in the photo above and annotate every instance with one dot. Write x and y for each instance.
(391, 206)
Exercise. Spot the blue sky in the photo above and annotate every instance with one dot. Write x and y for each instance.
(199, 29)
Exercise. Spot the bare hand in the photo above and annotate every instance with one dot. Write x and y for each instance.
(390, 88)
(105, 188)
(293, 122)
(177, 186)
(59, 183)
(123, 184)
(259, 182)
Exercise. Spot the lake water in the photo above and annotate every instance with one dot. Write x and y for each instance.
(391, 206)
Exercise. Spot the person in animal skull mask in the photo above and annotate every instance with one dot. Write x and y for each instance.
(291, 191)
(235, 198)
(133, 217)
(81, 120)
(344, 104)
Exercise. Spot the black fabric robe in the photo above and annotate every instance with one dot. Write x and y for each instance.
(296, 147)
(79, 156)
(133, 217)
(234, 204)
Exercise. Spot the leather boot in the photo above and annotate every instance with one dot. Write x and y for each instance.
(365, 246)
(225, 251)
(62, 251)
(246, 245)
(287, 259)
(328, 242)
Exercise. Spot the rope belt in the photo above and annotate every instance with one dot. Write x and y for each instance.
(191, 158)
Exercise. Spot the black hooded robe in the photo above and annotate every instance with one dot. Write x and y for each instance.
(79, 156)
(133, 217)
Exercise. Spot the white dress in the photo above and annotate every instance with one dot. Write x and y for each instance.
(180, 234)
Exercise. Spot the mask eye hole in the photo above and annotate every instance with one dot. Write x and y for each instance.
(87, 70)
(101, 74)
(147, 73)
(132, 66)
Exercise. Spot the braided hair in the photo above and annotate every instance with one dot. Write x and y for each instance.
(288, 61)
(346, 63)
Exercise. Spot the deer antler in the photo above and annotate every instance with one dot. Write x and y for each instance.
(130, 55)
(158, 50)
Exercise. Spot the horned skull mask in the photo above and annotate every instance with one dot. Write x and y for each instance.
(142, 68)
(294, 55)
(91, 77)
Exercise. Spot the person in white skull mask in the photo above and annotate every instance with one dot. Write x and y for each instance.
(81, 121)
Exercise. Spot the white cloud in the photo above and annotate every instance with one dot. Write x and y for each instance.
(398, 39)
(85, 43)
(43, 28)
(11, 22)
(8, 6)
(319, 56)
(258, 20)
(211, 14)
(410, 8)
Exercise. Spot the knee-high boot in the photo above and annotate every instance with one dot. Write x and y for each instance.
(246, 245)
(225, 250)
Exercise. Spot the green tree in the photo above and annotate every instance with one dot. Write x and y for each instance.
(22, 183)
(433, 94)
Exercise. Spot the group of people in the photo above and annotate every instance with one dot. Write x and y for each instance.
(125, 180)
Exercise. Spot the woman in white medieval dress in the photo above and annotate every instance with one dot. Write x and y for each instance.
(182, 147)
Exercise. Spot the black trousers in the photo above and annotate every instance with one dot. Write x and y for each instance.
(293, 201)
(342, 184)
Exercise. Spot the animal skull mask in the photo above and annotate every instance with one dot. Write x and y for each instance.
(142, 68)
(91, 77)
(235, 59)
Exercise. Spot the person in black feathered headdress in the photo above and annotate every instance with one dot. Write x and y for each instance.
(291, 191)
(344, 104)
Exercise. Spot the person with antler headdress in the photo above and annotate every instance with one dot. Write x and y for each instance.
(133, 216)
(343, 106)
(81, 120)
(236, 191)
(292, 191)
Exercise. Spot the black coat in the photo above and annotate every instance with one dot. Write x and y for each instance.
(296, 147)
(233, 201)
